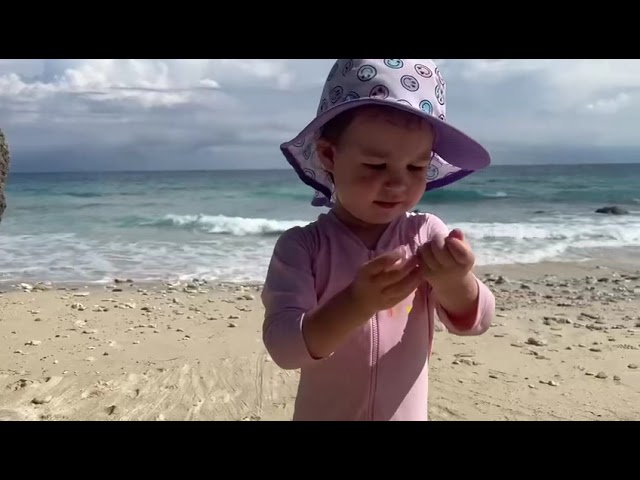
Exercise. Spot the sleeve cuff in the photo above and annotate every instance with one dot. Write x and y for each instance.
(483, 317)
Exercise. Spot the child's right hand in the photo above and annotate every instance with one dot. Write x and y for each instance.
(384, 282)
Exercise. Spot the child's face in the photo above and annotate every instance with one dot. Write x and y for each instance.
(379, 164)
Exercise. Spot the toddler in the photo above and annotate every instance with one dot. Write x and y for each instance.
(351, 298)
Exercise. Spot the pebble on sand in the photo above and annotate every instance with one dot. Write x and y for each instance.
(551, 383)
(42, 400)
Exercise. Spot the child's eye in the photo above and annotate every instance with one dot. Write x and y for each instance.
(375, 166)
(417, 168)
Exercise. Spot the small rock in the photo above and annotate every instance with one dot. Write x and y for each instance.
(616, 378)
(232, 325)
(551, 383)
(42, 400)
(111, 409)
(33, 343)
(632, 366)
(536, 341)
(595, 349)
(601, 375)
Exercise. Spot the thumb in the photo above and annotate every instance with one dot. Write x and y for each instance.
(456, 233)
(383, 262)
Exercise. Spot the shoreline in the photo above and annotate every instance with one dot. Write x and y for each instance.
(625, 259)
(564, 345)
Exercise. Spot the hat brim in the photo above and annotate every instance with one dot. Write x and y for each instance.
(453, 147)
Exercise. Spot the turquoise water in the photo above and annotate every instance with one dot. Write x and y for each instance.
(222, 224)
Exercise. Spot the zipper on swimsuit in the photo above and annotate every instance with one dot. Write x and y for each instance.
(373, 379)
(374, 366)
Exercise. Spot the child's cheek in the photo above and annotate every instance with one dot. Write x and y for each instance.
(368, 179)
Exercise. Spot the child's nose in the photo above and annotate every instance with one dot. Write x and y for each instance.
(396, 181)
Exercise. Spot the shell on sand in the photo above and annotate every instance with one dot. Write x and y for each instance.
(5, 159)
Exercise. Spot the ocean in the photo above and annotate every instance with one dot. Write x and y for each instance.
(222, 225)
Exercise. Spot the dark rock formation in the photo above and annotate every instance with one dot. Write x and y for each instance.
(5, 160)
(612, 210)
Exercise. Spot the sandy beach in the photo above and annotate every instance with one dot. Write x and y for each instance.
(565, 345)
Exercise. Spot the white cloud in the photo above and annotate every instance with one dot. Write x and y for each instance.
(183, 110)
(610, 105)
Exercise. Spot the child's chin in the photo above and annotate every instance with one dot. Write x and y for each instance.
(381, 217)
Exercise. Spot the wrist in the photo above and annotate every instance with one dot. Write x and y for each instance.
(454, 283)
(359, 307)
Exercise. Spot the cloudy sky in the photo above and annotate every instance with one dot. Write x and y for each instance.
(201, 114)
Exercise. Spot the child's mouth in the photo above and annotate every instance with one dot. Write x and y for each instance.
(387, 205)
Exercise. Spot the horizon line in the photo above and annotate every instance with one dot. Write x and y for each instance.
(286, 168)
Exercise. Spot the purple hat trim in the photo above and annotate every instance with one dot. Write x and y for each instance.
(415, 86)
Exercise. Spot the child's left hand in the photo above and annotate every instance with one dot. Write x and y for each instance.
(446, 260)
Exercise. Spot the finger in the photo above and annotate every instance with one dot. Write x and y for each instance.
(460, 251)
(457, 233)
(381, 263)
(397, 265)
(389, 277)
(429, 263)
(405, 286)
(442, 255)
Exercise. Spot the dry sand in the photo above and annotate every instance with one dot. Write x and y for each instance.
(565, 345)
